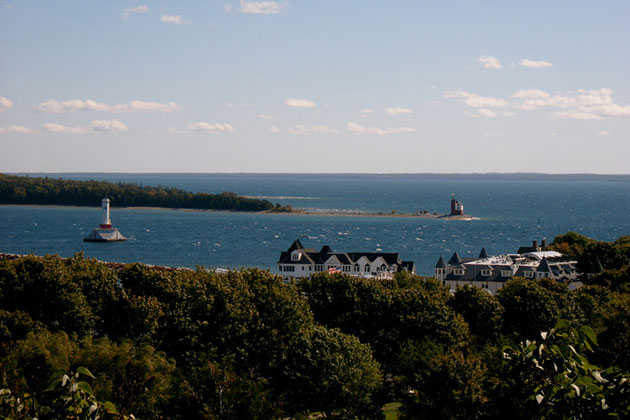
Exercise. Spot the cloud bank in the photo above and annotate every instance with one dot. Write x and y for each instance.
(261, 7)
(95, 126)
(5, 103)
(359, 129)
(490, 62)
(211, 128)
(75, 105)
(299, 103)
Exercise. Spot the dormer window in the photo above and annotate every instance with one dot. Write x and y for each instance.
(458, 271)
(506, 273)
(295, 256)
(529, 274)
(486, 273)
(367, 268)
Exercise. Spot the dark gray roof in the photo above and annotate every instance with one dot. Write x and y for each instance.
(544, 266)
(455, 259)
(295, 245)
(441, 263)
(483, 254)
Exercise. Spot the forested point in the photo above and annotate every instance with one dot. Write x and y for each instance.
(51, 191)
(77, 335)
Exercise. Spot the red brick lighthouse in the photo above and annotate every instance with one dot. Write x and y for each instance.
(457, 207)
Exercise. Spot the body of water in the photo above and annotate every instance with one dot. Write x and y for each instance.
(512, 213)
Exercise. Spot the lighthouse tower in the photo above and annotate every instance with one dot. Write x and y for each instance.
(105, 231)
(106, 222)
(457, 208)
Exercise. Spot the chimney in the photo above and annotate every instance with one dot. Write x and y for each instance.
(535, 245)
(543, 243)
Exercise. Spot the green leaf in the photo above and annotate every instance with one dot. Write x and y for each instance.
(85, 371)
(85, 387)
(53, 385)
(589, 333)
(561, 324)
(110, 407)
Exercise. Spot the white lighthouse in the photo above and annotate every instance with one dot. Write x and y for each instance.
(106, 223)
(105, 231)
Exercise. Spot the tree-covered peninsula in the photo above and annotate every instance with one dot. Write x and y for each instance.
(53, 191)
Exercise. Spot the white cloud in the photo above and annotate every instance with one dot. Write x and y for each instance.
(5, 103)
(96, 126)
(366, 111)
(316, 129)
(137, 9)
(17, 129)
(490, 62)
(603, 133)
(476, 101)
(107, 126)
(486, 112)
(55, 107)
(577, 115)
(300, 103)
(611, 110)
(274, 130)
(359, 129)
(397, 111)
(534, 64)
(211, 128)
(530, 94)
(261, 7)
(266, 117)
(58, 128)
(174, 19)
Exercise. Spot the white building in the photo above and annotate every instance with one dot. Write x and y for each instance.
(299, 262)
(491, 272)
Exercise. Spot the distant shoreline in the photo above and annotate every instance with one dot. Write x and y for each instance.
(472, 176)
(295, 212)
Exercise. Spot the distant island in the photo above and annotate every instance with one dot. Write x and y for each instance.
(27, 190)
(24, 190)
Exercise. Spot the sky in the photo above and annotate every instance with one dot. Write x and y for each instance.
(315, 86)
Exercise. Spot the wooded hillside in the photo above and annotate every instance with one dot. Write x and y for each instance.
(50, 191)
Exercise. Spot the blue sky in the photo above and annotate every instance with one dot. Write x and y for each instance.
(315, 86)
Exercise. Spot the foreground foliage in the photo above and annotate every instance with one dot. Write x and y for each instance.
(165, 344)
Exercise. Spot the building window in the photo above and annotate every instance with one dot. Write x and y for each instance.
(366, 268)
(280, 268)
(486, 273)
(529, 274)
(459, 271)
(506, 273)
(319, 267)
(295, 256)
(357, 268)
(302, 268)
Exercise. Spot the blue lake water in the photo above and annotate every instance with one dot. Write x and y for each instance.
(512, 213)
